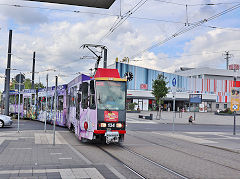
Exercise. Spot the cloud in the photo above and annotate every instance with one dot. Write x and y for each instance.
(57, 36)
(20, 15)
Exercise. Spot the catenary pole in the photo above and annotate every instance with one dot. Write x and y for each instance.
(7, 81)
(45, 122)
(55, 110)
(33, 69)
(234, 112)
(105, 58)
(19, 95)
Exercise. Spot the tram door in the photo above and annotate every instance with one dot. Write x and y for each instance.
(78, 100)
(26, 107)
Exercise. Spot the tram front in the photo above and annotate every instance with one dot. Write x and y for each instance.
(111, 109)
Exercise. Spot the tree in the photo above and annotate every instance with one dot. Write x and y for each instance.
(160, 90)
(27, 84)
(39, 85)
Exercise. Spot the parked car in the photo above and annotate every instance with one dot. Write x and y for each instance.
(5, 121)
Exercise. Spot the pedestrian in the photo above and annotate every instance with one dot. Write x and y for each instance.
(190, 120)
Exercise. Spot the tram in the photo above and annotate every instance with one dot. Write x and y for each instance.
(46, 111)
(92, 107)
(27, 103)
(13, 103)
(96, 106)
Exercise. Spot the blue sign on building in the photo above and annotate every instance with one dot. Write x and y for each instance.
(174, 82)
(195, 98)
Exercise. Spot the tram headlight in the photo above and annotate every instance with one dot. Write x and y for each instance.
(119, 125)
(103, 125)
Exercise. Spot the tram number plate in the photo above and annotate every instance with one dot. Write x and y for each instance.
(111, 124)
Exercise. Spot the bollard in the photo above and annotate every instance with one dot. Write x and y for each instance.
(151, 116)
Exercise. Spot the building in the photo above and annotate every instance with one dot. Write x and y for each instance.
(218, 81)
(140, 88)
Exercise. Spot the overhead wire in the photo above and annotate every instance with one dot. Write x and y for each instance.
(187, 28)
(134, 9)
(202, 4)
(121, 19)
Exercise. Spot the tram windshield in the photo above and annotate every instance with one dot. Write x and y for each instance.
(111, 95)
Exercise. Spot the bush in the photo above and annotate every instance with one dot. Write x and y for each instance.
(226, 111)
(131, 106)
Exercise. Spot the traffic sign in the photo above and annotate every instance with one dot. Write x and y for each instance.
(20, 78)
(21, 87)
(174, 82)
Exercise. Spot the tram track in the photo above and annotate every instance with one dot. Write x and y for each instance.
(186, 153)
(172, 172)
(120, 161)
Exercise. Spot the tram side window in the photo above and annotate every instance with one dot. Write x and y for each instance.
(92, 104)
(43, 103)
(21, 98)
(12, 99)
(84, 95)
(49, 103)
(33, 99)
(72, 99)
(60, 103)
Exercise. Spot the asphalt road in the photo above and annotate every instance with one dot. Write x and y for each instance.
(36, 125)
(148, 153)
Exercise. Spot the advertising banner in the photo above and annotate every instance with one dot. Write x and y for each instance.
(235, 98)
(195, 98)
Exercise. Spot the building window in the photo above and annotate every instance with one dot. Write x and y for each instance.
(225, 106)
(217, 106)
(209, 105)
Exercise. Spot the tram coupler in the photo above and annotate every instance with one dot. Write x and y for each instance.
(111, 137)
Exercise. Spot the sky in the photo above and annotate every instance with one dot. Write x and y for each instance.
(56, 33)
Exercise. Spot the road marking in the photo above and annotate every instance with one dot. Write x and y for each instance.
(136, 121)
(55, 153)
(21, 148)
(187, 138)
(70, 158)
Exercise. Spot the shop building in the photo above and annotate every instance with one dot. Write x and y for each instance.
(140, 89)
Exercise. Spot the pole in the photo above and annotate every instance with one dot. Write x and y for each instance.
(195, 106)
(45, 122)
(33, 70)
(19, 89)
(234, 123)
(55, 110)
(105, 58)
(234, 113)
(7, 81)
(173, 127)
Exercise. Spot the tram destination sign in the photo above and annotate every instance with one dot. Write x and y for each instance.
(195, 98)
(105, 4)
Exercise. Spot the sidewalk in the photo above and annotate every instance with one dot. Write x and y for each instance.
(30, 154)
(182, 118)
(222, 139)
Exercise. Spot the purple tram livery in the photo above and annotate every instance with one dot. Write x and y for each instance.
(46, 111)
(96, 106)
(29, 103)
(13, 103)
